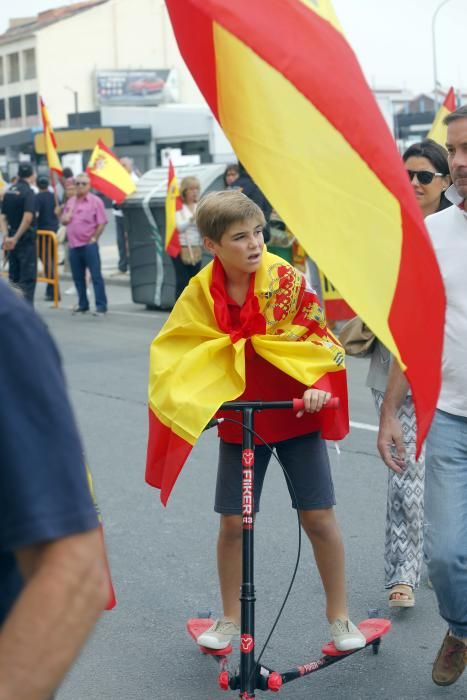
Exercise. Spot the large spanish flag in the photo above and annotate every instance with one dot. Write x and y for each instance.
(173, 203)
(438, 131)
(198, 361)
(53, 159)
(291, 98)
(107, 174)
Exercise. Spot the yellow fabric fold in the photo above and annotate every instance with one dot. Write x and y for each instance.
(195, 366)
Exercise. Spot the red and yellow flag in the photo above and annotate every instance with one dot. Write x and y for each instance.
(438, 131)
(108, 175)
(291, 98)
(198, 354)
(53, 159)
(173, 203)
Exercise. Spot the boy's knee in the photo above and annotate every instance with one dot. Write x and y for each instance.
(230, 528)
(319, 523)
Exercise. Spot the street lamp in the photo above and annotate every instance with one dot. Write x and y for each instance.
(75, 95)
(433, 35)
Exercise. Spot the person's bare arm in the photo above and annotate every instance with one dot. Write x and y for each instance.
(3, 225)
(97, 233)
(66, 590)
(26, 221)
(390, 432)
(67, 215)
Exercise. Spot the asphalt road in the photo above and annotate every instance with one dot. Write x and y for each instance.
(163, 560)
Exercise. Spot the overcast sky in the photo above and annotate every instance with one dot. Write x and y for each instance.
(392, 38)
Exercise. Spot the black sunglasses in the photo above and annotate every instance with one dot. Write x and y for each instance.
(423, 176)
(82, 183)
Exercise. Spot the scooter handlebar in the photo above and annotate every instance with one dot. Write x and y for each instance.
(299, 405)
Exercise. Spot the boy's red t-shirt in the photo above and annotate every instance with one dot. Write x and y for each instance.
(264, 382)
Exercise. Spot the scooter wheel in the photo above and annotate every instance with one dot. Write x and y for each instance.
(274, 682)
(224, 680)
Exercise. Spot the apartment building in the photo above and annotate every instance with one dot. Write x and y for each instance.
(63, 53)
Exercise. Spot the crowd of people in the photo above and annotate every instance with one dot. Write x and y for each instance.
(75, 216)
(427, 498)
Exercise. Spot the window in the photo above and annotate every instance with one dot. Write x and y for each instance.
(2, 80)
(31, 104)
(14, 106)
(13, 67)
(2, 110)
(29, 63)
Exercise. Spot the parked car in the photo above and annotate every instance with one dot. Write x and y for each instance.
(145, 86)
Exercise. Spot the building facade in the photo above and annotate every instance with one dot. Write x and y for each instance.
(60, 53)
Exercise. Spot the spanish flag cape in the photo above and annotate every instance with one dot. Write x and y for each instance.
(198, 361)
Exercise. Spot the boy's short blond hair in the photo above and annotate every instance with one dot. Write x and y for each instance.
(217, 211)
(186, 183)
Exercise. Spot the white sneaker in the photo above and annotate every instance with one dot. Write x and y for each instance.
(346, 636)
(219, 635)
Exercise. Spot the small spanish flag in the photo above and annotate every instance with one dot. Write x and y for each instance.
(173, 203)
(53, 159)
(438, 131)
(108, 175)
(291, 98)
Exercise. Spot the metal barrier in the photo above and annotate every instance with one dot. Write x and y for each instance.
(47, 251)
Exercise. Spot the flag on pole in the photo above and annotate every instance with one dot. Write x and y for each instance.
(173, 203)
(53, 159)
(107, 174)
(438, 131)
(289, 94)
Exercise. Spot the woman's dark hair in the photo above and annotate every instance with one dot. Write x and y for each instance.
(231, 167)
(438, 157)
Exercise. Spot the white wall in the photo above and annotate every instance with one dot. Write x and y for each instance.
(119, 34)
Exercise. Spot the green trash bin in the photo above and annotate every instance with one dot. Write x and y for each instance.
(152, 275)
(282, 252)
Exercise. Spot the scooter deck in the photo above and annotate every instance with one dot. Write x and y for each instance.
(373, 629)
(196, 626)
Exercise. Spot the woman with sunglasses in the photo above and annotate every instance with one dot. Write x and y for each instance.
(427, 167)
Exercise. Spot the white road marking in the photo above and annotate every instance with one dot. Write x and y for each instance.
(364, 426)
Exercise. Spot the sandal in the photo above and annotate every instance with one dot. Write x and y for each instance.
(402, 590)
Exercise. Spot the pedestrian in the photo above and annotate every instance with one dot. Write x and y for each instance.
(53, 573)
(248, 186)
(247, 295)
(85, 219)
(18, 227)
(231, 174)
(47, 211)
(446, 445)
(188, 261)
(427, 166)
(122, 234)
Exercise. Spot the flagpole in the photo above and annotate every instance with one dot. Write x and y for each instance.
(433, 39)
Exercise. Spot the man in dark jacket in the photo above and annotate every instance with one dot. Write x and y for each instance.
(17, 224)
(47, 220)
(247, 185)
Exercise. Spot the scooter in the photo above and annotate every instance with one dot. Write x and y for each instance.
(253, 675)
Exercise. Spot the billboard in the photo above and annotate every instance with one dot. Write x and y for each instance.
(136, 87)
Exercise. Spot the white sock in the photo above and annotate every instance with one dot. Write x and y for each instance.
(459, 639)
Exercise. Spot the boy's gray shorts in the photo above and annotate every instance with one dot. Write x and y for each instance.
(306, 460)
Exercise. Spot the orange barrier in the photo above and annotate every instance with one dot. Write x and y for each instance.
(47, 251)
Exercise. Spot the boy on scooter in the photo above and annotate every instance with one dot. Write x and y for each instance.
(248, 327)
